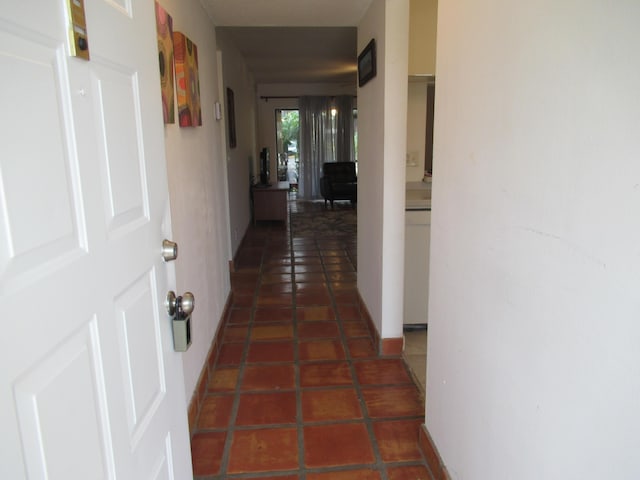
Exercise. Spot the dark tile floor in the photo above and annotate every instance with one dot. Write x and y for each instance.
(297, 391)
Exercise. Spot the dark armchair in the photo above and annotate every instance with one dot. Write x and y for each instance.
(339, 182)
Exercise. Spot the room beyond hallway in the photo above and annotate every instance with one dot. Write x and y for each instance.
(297, 390)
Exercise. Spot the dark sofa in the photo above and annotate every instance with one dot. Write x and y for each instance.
(339, 182)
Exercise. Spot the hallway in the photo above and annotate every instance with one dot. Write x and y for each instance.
(297, 390)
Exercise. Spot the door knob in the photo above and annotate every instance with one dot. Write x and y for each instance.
(179, 306)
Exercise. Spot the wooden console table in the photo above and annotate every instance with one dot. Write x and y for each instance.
(270, 203)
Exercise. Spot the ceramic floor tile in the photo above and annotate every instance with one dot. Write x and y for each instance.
(268, 377)
(333, 252)
(313, 298)
(271, 352)
(206, 452)
(272, 332)
(275, 278)
(315, 268)
(361, 347)
(348, 313)
(263, 450)
(382, 371)
(393, 401)
(223, 380)
(346, 297)
(323, 312)
(339, 267)
(398, 440)
(245, 276)
(283, 300)
(307, 261)
(337, 445)
(275, 289)
(230, 354)
(325, 374)
(355, 329)
(341, 276)
(266, 408)
(275, 315)
(279, 477)
(320, 350)
(318, 330)
(360, 474)
(235, 333)
(277, 269)
(334, 404)
(316, 287)
(277, 261)
(310, 277)
(334, 260)
(243, 300)
(308, 251)
(244, 288)
(240, 315)
(412, 472)
(215, 411)
(343, 287)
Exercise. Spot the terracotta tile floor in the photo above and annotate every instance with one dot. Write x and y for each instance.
(297, 391)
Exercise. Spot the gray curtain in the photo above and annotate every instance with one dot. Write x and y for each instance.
(316, 144)
(345, 150)
(323, 139)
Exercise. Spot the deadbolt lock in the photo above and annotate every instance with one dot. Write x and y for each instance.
(179, 309)
(169, 250)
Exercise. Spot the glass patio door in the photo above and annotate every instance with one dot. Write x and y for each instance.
(287, 141)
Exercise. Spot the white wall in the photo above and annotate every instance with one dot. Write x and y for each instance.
(534, 334)
(396, 58)
(371, 167)
(197, 190)
(244, 154)
(382, 122)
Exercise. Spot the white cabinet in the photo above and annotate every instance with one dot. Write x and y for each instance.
(416, 265)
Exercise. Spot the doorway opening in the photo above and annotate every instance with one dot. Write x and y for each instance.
(287, 151)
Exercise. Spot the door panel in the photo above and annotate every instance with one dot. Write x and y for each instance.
(36, 237)
(90, 386)
(140, 350)
(121, 146)
(47, 413)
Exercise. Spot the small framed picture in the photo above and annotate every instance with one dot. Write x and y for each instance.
(367, 63)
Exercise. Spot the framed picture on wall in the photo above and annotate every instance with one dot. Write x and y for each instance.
(164, 28)
(367, 63)
(187, 81)
(231, 116)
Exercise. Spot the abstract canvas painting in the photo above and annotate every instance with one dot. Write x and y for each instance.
(164, 26)
(187, 82)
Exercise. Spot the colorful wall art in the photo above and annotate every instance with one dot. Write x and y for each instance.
(187, 82)
(164, 26)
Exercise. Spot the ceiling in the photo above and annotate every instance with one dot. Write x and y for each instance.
(293, 41)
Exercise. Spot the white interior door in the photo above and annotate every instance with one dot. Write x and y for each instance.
(90, 387)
